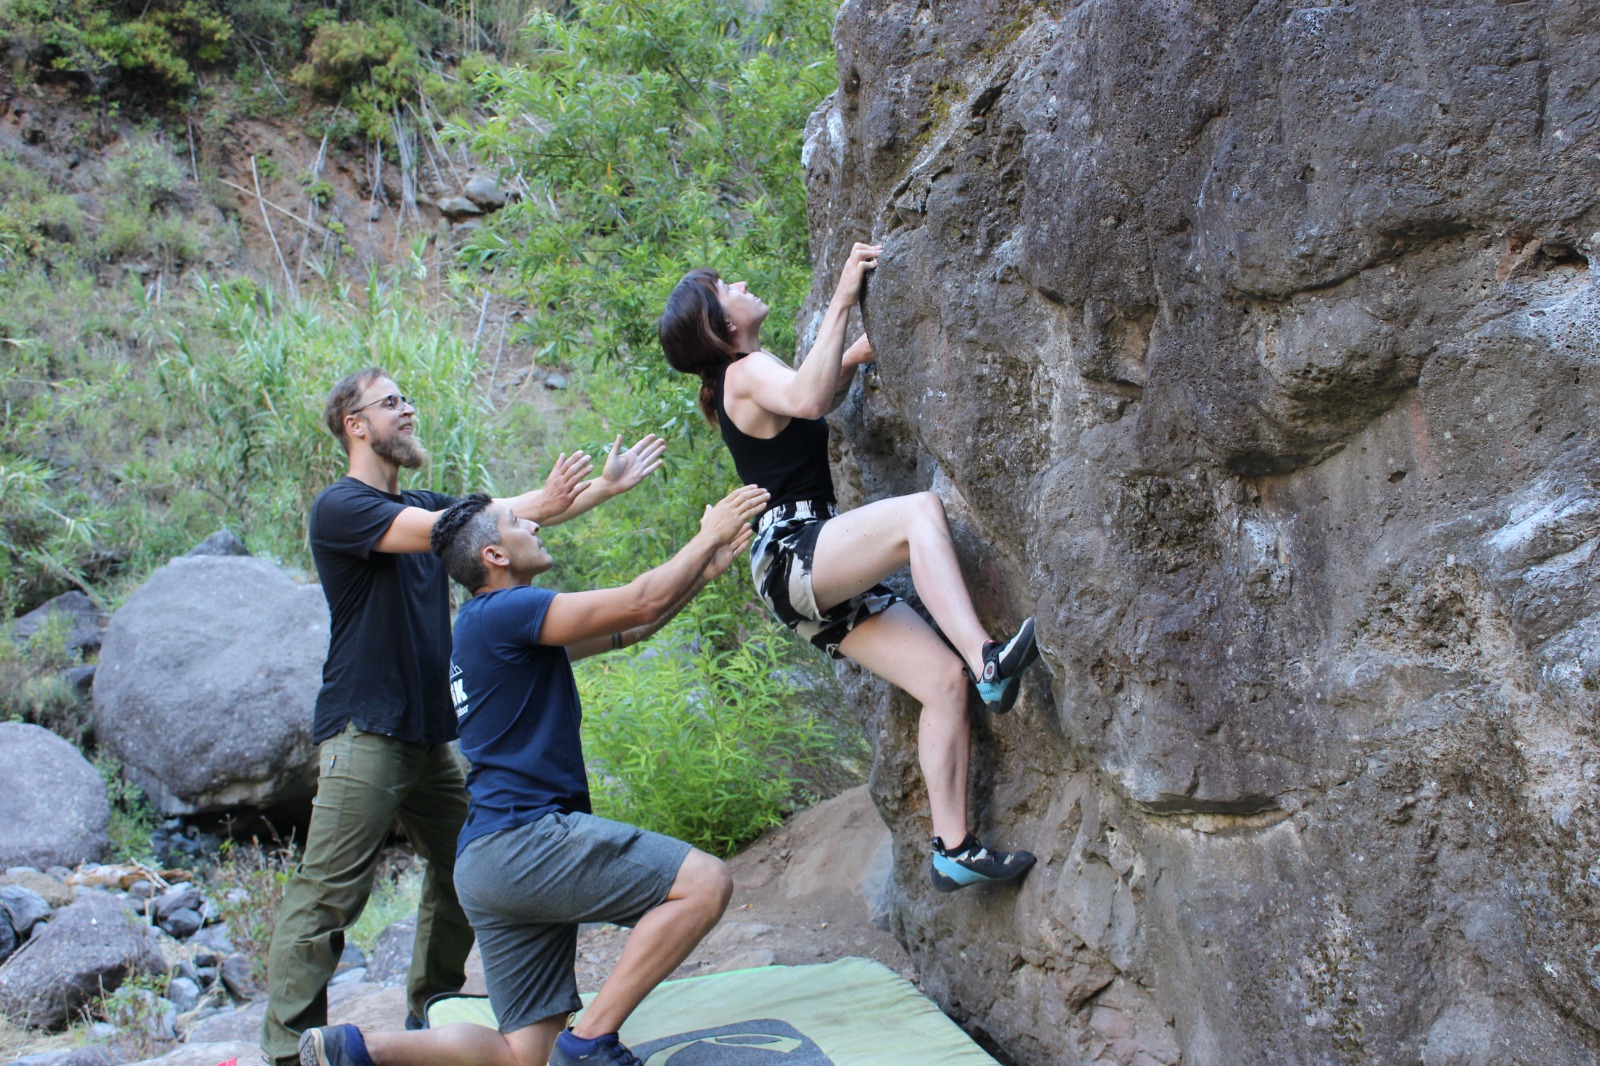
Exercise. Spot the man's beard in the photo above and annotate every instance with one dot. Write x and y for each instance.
(401, 449)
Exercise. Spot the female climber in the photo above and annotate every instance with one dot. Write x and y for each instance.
(821, 572)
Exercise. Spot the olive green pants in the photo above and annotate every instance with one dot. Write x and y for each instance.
(366, 784)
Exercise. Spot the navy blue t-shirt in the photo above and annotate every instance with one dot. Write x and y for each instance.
(389, 649)
(517, 712)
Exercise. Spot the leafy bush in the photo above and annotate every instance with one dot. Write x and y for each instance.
(133, 819)
(136, 1009)
(31, 687)
(157, 45)
(39, 544)
(396, 894)
(656, 137)
(247, 883)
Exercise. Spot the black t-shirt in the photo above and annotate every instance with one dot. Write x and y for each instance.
(389, 654)
(792, 466)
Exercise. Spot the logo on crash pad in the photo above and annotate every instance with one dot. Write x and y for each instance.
(757, 1042)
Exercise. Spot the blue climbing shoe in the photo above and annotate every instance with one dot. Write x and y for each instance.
(974, 864)
(1003, 665)
(333, 1045)
(603, 1051)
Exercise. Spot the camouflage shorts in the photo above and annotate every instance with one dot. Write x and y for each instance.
(780, 564)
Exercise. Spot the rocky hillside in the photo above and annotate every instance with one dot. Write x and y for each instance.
(1253, 348)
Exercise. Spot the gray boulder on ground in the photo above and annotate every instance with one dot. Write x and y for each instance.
(485, 192)
(181, 896)
(87, 948)
(53, 890)
(206, 684)
(1255, 350)
(93, 1055)
(459, 207)
(24, 907)
(192, 1054)
(222, 542)
(88, 621)
(391, 953)
(53, 806)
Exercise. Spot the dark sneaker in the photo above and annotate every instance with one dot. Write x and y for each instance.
(973, 864)
(611, 1052)
(1003, 665)
(333, 1045)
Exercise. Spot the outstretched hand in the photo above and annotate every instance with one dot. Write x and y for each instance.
(733, 513)
(625, 469)
(564, 485)
(863, 257)
(725, 555)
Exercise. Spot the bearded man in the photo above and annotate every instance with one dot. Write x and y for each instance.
(384, 718)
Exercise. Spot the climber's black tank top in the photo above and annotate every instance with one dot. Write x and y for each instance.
(792, 466)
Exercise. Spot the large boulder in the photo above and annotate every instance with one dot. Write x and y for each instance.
(1252, 347)
(206, 684)
(85, 950)
(53, 807)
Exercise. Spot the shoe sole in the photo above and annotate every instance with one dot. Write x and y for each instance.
(313, 1051)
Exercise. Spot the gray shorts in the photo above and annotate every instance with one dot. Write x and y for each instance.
(781, 563)
(525, 890)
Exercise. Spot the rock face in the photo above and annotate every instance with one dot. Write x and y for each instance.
(207, 680)
(53, 808)
(1254, 349)
(93, 945)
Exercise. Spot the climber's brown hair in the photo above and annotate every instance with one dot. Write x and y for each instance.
(696, 335)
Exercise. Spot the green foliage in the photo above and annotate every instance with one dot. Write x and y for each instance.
(31, 686)
(318, 191)
(369, 68)
(129, 430)
(133, 819)
(38, 542)
(156, 45)
(135, 1008)
(247, 883)
(144, 183)
(375, 70)
(396, 894)
(657, 136)
(252, 377)
(36, 224)
(700, 743)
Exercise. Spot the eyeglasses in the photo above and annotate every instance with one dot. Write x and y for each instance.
(388, 403)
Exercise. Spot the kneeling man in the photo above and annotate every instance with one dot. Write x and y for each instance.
(533, 862)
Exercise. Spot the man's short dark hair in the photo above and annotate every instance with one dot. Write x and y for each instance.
(459, 536)
(346, 397)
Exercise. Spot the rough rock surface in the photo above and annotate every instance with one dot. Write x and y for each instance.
(206, 684)
(87, 620)
(1253, 347)
(391, 954)
(53, 807)
(24, 908)
(89, 947)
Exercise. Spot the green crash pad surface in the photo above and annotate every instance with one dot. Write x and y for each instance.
(853, 1012)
